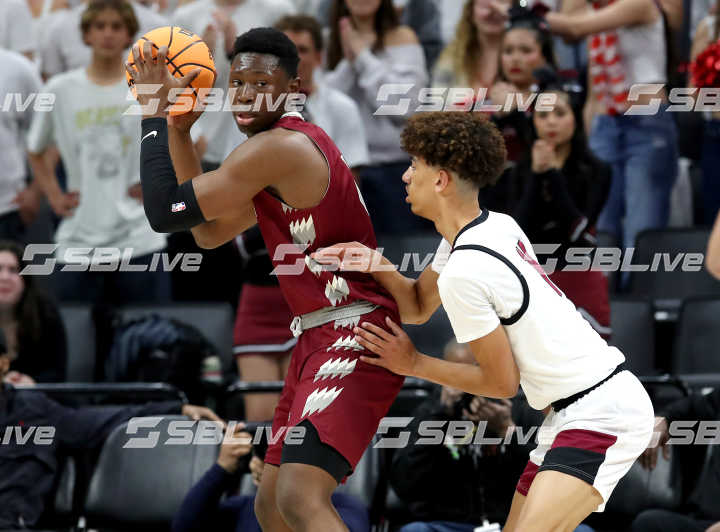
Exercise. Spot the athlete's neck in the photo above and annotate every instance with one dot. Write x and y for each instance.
(103, 71)
(455, 217)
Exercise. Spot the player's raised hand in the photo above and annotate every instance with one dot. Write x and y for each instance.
(153, 82)
(394, 348)
(352, 257)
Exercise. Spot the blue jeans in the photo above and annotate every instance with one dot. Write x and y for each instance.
(643, 154)
(710, 162)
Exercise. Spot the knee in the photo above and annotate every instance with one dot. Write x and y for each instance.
(650, 521)
(265, 507)
(297, 504)
(416, 527)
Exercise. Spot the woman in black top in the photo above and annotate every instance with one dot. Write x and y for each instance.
(563, 188)
(31, 322)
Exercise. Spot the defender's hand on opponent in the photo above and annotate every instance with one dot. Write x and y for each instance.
(149, 70)
(394, 348)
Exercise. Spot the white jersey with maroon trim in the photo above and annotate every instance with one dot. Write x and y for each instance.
(491, 277)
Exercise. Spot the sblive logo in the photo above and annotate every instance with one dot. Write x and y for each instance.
(104, 260)
(188, 432)
(25, 434)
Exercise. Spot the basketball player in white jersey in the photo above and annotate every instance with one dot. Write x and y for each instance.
(520, 327)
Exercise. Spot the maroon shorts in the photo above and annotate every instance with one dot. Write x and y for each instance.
(328, 385)
(263, 321)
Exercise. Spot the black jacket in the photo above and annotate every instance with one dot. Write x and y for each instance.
(27, 471)
(460, 485)
(705, 497)
(561, 206)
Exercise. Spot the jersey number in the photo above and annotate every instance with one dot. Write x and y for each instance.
(522, 251)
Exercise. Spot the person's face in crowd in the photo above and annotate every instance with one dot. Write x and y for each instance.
(108, 35)
(487, 20)
(556, 126)
(460, 354)
(310, 57)
(520, 56)
(363, 8)
(253, 77)
(11, 282)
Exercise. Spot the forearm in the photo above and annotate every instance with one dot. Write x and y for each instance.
(45, 178)
(405, 292)
(184, 157)
(169, 207)
(466, 377)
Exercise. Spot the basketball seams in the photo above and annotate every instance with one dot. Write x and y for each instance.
(188, 46)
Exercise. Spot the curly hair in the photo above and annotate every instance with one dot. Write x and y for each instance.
(465, 143)
(269, 41)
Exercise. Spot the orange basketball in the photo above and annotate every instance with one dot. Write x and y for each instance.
(186, 52)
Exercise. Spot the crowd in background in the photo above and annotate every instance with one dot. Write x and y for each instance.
(70, 177)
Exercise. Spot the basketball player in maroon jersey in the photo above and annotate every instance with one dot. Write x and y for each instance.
(291, 179)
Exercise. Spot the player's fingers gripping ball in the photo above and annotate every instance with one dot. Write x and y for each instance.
(186, 52)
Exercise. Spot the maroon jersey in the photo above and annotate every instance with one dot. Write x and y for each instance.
(291, 235)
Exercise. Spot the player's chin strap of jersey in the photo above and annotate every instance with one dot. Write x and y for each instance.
(169, 207)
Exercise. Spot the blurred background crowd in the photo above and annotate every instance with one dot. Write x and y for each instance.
(585, 174)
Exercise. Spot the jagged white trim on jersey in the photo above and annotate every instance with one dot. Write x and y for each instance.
(345, 343)
(336, 290)
(314, 266)
(342, 367)
(287, 209)
(319, 400)
(303, 232)
(350, 322)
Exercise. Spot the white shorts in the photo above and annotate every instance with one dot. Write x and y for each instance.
(597, 438)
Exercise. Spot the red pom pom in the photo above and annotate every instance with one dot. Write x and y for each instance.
(706, 68)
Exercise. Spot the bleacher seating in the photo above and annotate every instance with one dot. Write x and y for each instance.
(633, 333)
(142, 488)
(80, 333)
(697, 339)
(669, 288)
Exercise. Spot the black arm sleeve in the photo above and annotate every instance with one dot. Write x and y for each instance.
(169, 207)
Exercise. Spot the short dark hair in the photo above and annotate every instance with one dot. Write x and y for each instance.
(123, 7)
(302, 23)
(269, 41)
(465, 143)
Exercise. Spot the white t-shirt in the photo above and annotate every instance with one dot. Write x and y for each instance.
(20, 77)
(100, 148)
(16, 24)
(339, 117)
(219, 128)
(557, 352)
(63, 48)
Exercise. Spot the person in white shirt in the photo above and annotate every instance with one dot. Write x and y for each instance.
(63, 47)
(520, 327)
(219, 22)
(15, 23)
(100, 149)
(19, 203)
